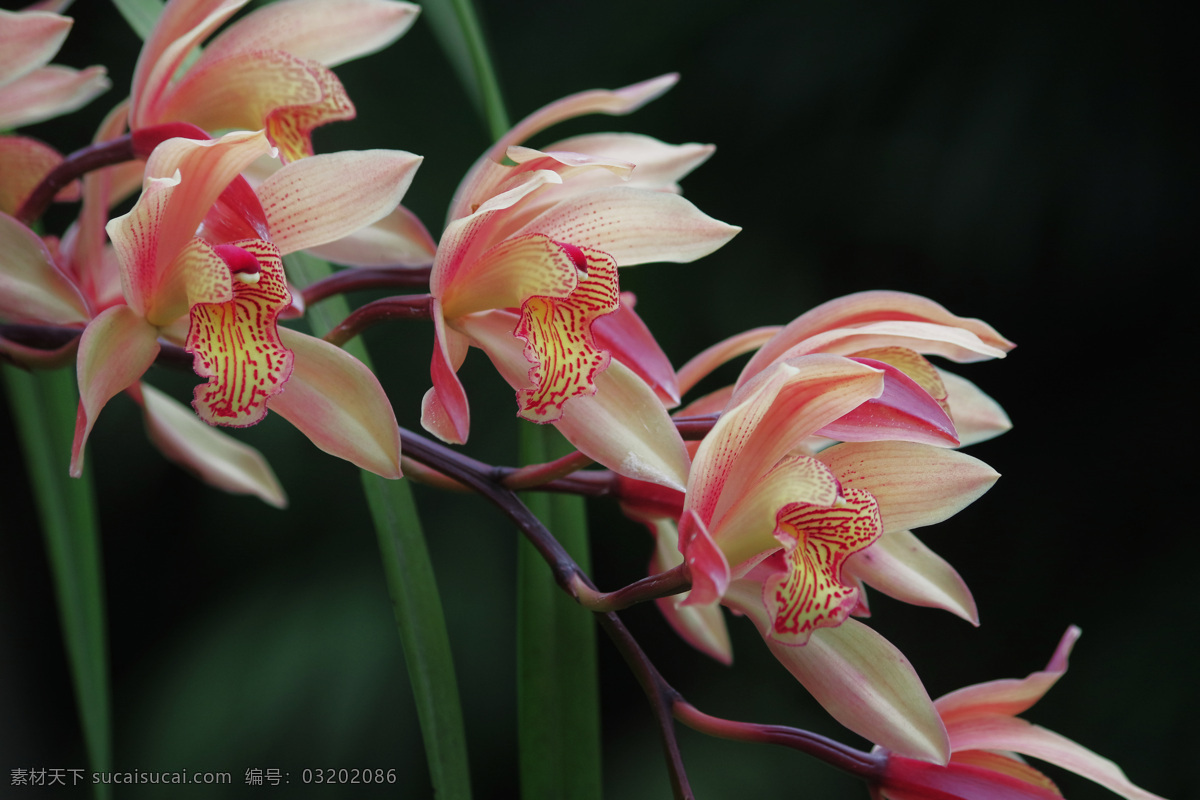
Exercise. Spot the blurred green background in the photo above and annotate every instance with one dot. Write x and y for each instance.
(1031, 164)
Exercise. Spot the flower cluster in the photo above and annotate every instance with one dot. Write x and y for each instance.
(781, 497)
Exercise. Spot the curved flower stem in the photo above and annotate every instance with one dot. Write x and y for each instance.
(79, 163)
(663, 584)
(695, 427)
(536, 475)
(353, 280)
(385, 310)
(867, 766)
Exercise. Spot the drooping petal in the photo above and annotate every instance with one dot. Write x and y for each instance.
(901, 566)
(444, 409)
(559, 342)
(634, 226)
(916, 485)
(116, 349)
(859, 677)
(622, 426)
(399, 239)
(626, 337)
(321, 199)
(702, 626)
(49, 92)
(215, 457)
(334, 400)
(329, 33)
(817, 540)
(236, 344)
(1001, 732)
(31, 286)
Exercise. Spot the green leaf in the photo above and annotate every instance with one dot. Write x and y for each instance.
(44, 406)
(410, 580)
(140, 14)
(558, 699)
(457, 29)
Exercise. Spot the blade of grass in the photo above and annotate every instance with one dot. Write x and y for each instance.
(140, 14)
(457, 29)
(558, 701)
(43, 406)
(411, 583)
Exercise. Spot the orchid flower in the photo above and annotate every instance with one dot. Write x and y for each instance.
(527, 270)
(31, 92)
(200, 262)
(985, 736)
(269, 70)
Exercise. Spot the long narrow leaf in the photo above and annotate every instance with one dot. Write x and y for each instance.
(411, 585)
(558, 704)
(44, 412)
(457, 29)
(140, 14)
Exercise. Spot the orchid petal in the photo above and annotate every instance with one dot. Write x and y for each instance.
(704, 363)
(866, 308)
(444, 409)
(908, 779)
(771, 418)
(558, 339)
(599, 101)
(817, 540)
(236, 345)
(28, 40)
(1008, 696)
(977, 417)
(321, 199)
(707, 565)
(903, 411)
(658, 165)
(182, 26)
(916, 485)
(31, 286)
(215, 457)
(634, 226)
(622, 426)
(509, 274)
(1000, 732)
(330, 34)
(901, 566)
(859, 677)
(116, 349)
(625, 335)
(49, 92)
(23, 163)
(334, 400)
(399, 239)
(702, 625)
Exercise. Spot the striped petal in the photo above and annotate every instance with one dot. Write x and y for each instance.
(901, 566)
(399, 239)
(32, 288)
(321, 199)
(49, 92)
(236, 344)
(817, 540)
(916, 485)
(28, 40)
(700, 625)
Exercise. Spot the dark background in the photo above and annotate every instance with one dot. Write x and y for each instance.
(1033, 165)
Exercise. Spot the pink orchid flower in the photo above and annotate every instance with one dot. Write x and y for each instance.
(31, 92)
(986, 733)
(269, 70)
(200, 262)
(527, 270)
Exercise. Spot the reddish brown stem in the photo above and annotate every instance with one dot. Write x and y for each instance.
(385, 310)
(70, 168)
(353, 280)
